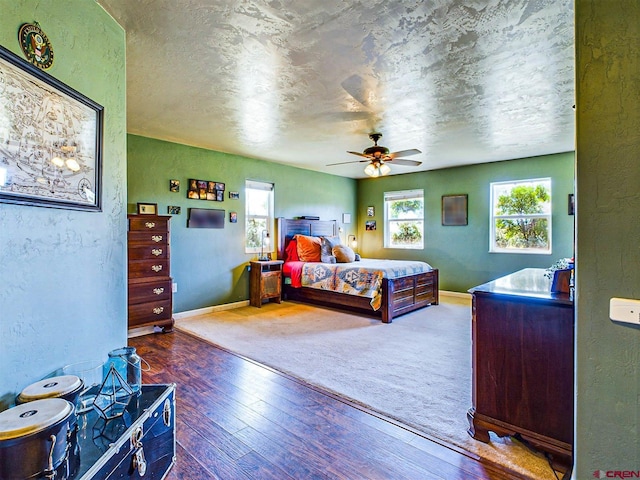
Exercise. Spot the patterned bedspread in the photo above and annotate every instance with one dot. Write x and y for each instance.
(363, 278)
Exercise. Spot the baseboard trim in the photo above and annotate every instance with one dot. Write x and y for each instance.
(212, 309)
(455, 297)
(445, 296)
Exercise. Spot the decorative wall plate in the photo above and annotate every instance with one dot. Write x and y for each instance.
(35, 45)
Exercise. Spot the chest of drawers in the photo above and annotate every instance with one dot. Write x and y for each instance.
(150, 296)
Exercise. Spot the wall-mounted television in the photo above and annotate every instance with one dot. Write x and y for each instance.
(205, 218)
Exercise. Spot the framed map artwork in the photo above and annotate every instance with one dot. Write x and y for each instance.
(50, 140)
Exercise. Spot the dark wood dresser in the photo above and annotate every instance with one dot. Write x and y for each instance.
(150, 295)
(523, 363)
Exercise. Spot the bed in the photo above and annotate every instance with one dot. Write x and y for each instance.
(403, 294)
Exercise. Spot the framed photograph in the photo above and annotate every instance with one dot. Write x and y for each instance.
(147, 208)
(174, 185)
(371, 212)
(234, 195)
(205, 190)
(51, 137)
(370, 225)
(571, 205)
(173, 210)
(233, 217)
(454, 210)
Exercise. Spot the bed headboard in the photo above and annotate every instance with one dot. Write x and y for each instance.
(288, 227)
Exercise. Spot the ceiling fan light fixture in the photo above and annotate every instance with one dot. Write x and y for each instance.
(377, 169)
(371, 170)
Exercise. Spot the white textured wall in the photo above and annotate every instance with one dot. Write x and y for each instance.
(63, 272)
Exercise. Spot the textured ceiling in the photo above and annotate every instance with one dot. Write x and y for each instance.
(302, 82)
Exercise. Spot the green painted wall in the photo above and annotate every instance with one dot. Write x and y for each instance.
(209, 265)
(608, 229)
(63, 274)
(461, 253)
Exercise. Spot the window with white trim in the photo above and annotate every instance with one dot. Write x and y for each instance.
(404, 219)
(521, 216)
(258, 215)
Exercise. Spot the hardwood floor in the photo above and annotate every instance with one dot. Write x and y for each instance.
(237, 419)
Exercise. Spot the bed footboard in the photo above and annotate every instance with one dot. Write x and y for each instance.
(406, 294)
(399, 296)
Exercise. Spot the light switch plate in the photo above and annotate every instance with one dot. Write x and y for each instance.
(625, 310)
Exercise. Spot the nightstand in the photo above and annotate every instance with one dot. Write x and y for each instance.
(265, 281)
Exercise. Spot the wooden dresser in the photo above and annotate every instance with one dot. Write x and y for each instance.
(523, 363)
(150, 295)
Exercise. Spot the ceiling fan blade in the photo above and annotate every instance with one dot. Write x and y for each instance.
(344, 163)
(359, 154)
(404, 153)
(402, 161)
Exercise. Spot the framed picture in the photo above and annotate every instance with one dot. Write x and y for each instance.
(233, 217)
(234, 195)
(371, 212)
(51, 137)
(147, 208)
(205, 190)
(454, 210)
(174, 185)
(571, 205)
(173, 210)
(370, 225)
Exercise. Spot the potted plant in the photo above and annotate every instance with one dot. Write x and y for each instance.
(560, 274)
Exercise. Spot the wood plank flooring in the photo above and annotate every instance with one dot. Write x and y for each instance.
(237, 419)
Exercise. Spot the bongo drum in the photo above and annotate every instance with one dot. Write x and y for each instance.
(35, 439)
(67, 387)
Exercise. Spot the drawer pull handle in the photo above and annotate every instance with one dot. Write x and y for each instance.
(166, 413)
(156, 251)
(156, 238)
(150, 224)
(158, 310)
(156, 268)
(158, 291)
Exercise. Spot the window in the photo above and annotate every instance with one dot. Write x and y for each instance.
(258, 214)
(521, 216)
(404, 219)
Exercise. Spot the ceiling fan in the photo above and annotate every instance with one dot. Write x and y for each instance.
(378, 157)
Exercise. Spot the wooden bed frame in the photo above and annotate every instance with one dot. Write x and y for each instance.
(399, 296)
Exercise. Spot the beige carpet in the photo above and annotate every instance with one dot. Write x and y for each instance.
(416, 370)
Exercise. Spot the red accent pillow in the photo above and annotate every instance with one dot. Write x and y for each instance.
(291, 252)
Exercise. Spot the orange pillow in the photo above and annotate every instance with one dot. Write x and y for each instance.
(308, 248)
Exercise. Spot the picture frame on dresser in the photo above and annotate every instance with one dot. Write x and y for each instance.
(57, 163)
(147, 208)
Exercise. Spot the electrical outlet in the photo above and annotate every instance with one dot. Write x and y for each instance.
(625, 310)
(174, 287)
